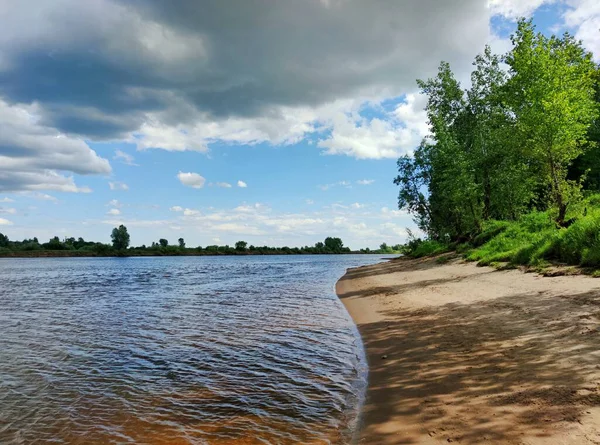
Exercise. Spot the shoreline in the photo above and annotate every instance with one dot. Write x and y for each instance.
(466, 354)
(75, 254)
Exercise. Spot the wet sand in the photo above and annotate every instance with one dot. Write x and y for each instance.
(470, 355)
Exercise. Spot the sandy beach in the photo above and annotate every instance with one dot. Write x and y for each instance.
(472, 355)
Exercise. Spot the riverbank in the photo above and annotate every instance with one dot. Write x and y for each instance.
(88, 254)
(472, 355)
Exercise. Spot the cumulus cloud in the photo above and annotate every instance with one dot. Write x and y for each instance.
(514, 9)
(395, 133)
(114, 203)
(584, 16)
(242, 184)
(7, 200)
(35, 157)
(224, 185)
(182, 76)
(193, 180)
(5, 222)
(114, 212)
(176, 209)
(118, 186)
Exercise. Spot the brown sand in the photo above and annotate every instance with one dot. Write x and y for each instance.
(475, 355)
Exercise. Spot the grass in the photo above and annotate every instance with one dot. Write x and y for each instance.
(534, 240)
(428, 248)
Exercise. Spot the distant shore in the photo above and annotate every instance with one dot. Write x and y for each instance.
(472, 355)
(78, 254)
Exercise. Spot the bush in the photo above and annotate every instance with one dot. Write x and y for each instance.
(417, 248)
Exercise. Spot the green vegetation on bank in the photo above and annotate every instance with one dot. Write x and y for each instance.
(120, 247)
(511, 170)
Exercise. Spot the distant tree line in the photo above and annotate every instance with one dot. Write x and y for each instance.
(120, 246)
(523, 138)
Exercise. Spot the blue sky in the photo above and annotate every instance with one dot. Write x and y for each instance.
(216, 122)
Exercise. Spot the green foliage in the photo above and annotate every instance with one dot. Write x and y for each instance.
(334, 244)
(55, 244)
(518, 241)
(551, 92)
(120, 238)
(536, 239)
(421, 248)
(505, 146)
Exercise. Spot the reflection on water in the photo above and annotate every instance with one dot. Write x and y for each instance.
(207, 350)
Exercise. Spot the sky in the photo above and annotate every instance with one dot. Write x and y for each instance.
(274, 122)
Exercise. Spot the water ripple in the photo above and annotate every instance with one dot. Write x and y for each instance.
(177, 351)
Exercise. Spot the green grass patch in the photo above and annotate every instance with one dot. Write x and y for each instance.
(535, 240)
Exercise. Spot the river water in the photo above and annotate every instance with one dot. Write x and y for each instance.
(178, 350)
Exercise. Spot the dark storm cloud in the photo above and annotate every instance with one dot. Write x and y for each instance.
(98, 67)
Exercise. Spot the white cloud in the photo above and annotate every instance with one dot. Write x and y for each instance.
(398, 132)
(584, 16)
(239, 229)
(514, 9)
(9, 210)
(44, 197)
(114, 212)
(6, 200)
(390, 213)
(176, 209)
(125, 158)
(326, 187)
(114, 203)
(154, 134)
(242, 184)
(251, 208)
(136, 222)
(357, 205)
(365, 182)
(193, 180)
(5, 222)
(32, 154)
(118, 186)
(190, 212)
(224, 185)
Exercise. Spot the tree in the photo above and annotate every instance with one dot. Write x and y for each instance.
(120, 237)
(414, 179)
(240, 246)
(54, 244)
(163, 242)
(3, 240)
(334, 244)
(552, 97)
(181, 242)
